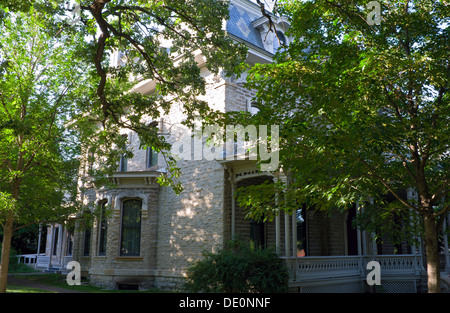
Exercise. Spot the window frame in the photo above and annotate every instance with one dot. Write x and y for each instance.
(102, 231)
(137, 228)
(151, 157)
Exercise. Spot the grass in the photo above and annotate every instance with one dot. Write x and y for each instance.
(59, 280)
(24, 289)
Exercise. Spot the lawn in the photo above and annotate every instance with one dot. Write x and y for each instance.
(25, 289)
(59, 281)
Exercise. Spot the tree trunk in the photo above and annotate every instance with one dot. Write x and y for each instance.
(432, 254)
(6, 248)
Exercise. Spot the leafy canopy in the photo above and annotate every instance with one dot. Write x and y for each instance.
(363, 109)
(38, 90)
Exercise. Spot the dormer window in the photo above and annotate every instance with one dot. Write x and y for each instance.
(152, 157)
(273, 32)
(123, 158)
(123, 163)
(253, 108)
(279, 41)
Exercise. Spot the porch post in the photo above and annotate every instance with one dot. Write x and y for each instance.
(233, 204)
(363, 235)
(52, 231)
(294, 234)
(38, 245)
(372, 237)
(233, 211)
(277, 234)
(63, 245)
(446, 247)
(277, 222)
(286, 234)
(358, 231)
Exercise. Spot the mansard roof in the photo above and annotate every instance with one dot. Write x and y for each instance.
(240, 22)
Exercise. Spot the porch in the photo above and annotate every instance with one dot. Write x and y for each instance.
(57, 244)
(324, 252)
(399, 273)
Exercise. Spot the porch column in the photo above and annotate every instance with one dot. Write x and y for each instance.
(38, 245)
(286, 234)
(52, 231)
(277, 234)
(372, 237)
(294, 234)
(63, 245)
(233, 211)
(358, 232)
(446, 247)
(277, 222)
(233, 204)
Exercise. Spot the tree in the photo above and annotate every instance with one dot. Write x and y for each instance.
(363, 111)
(156, 40)
(40, 82)
(159, 41)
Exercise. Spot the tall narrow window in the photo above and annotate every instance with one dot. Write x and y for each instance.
(301, 232)
(102, 231)
(152, 157)
(123, 163)
(55, 240)
(69, 246)
(257, 234)
(87, 241)
(279, 42)
(123, 157)
(131, 228)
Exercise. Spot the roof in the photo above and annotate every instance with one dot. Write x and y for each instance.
(240, 23)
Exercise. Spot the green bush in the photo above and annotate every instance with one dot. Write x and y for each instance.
(239, 267)
(14, 266)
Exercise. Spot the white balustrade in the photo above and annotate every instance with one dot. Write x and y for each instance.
(323, 267)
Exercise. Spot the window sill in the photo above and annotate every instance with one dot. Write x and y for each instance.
(129, 258)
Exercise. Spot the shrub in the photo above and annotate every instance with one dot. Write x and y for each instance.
(239, 267)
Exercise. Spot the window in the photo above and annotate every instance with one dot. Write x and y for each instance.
(87, 241)
(123, 158)
(131, 228)
(102, 230)
(257, 234)
(69, 246)
(123, 163)
(279, 42)
(253, 109)
(55, 240)
(152, 157)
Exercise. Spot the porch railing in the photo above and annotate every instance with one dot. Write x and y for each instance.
(330, 267)
(44, 261)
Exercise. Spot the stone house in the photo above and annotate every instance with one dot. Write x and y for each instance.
(152, 235)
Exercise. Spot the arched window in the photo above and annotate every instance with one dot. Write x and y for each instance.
(254, 108)
(279, 41)
(152, 157)
(102, 230)
(131, 228)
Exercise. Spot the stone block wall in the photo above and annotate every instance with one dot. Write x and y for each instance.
(178, 228)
